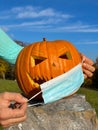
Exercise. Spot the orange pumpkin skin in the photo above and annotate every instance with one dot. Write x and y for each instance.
(42, 61)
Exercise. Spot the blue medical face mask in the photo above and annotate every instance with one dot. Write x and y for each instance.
(63, 85)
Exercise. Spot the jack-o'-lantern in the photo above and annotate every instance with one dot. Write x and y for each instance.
(42, 61)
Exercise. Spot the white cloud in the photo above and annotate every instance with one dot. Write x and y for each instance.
(87, 42)
(50, 26)
(33, 12)
(82, 28)
(39, 19)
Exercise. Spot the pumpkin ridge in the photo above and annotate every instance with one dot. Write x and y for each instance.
(25, 68)
(37, 71)
(49, 64)
(41, 68)
(33, 71)
(59, 63)
(19, 73)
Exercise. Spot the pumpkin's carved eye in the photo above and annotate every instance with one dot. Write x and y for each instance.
(66, 55)
(38, 59)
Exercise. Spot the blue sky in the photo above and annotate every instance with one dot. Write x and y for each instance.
(73, 20)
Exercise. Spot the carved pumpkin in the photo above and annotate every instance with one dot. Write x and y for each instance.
(42, 61)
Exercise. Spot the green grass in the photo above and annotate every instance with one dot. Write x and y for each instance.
(91, 95)
(9, 85)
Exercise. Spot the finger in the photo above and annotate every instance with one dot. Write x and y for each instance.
(14, 97)
(88, 67)
(13, 113)
(87, 60)
(10, 122)
(85, 76)
(87, 73)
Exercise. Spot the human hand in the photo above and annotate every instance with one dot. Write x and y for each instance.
(9, 116)
(87, 66)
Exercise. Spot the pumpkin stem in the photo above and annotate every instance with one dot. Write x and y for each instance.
(44, 39)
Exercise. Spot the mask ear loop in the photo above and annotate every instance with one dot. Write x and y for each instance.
(35, 104)
(35, 95)
(15, 105)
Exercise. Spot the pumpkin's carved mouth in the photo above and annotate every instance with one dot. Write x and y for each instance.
(36, 82)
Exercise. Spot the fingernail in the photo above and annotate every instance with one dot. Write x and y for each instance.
(84, 64)
(25, 99)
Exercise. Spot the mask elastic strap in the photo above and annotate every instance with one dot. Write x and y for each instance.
(35, 95)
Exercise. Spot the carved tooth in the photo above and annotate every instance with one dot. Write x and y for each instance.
(32, 81)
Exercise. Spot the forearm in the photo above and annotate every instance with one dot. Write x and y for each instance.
(9, 50)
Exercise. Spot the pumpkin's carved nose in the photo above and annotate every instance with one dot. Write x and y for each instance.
(53, 64)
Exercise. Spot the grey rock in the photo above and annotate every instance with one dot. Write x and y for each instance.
(72, 113)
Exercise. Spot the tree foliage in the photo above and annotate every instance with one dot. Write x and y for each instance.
(95, 76)
(4, 67)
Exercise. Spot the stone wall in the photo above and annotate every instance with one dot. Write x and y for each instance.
(73, 113)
